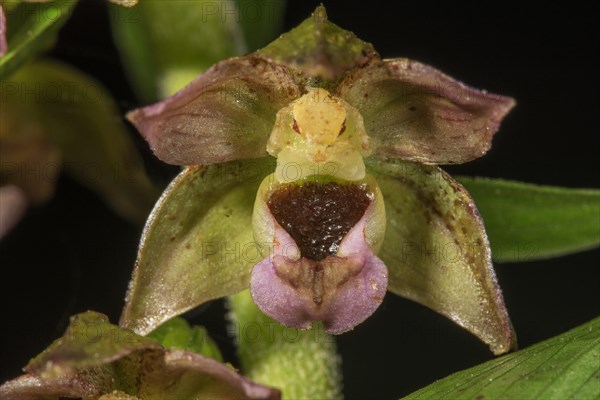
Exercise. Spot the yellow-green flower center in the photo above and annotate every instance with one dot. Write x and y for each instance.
(319, 134)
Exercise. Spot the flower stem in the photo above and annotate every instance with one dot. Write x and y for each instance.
(302, 364)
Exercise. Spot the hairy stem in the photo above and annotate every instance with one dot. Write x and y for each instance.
(303, 364)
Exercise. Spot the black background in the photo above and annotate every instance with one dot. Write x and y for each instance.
(74, 254)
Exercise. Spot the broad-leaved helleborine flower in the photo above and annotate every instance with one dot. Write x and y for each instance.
(353, 205)
(95, 359)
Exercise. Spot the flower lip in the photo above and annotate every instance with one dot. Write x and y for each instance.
(341, 290)
(318, 215)
(339, 283)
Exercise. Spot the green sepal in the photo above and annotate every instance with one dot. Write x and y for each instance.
(319, 48)
(437, 251)
(197, 244)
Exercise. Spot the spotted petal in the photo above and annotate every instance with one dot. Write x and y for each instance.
(437, 251)
(226, 114)
(416, 113)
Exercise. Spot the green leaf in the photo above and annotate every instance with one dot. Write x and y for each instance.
(530, 222)
(303, 364)
(176, 333)
(564, 367)
(78, 115)
(437, 252)
(32, 28)
(197, 244)
(166, 44)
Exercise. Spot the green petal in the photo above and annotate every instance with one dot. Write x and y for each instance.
(414, 112)
(80, 118)
(437, 252)
(176, 333)
(531, 222)
(197, 244)
(319, 48)
(226, 114)
(564, 367)
(31, 29)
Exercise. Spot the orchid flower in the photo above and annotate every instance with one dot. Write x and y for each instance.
(95, 359)
(312, 179)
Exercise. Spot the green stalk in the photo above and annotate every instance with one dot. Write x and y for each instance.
(303, 364)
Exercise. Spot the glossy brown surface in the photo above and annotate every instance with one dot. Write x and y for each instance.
(318, 215)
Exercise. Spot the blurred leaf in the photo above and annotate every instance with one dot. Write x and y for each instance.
(261, 21)
(166, 44)
(9, 4)
(78, 115)
(530, 222)
(564, 367)
(303, 364)
(437, 252)
(197, 244)
(13, 204)
(176, 333)
(32, 27)
(3, 44)
(29, 158)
